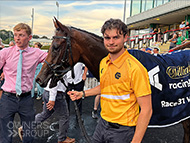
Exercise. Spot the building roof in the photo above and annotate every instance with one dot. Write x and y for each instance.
(166, 14)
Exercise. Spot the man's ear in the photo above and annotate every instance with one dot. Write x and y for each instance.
(30, 37)
(126, 38)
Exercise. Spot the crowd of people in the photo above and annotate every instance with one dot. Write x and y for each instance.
(177, 38)
(20, 64)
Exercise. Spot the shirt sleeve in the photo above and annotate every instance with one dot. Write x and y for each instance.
(53, 93)
(2, 57)
(140, 81)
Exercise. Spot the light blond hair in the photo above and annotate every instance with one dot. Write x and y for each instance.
(24, 26)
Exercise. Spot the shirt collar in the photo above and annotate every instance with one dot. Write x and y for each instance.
(25, 50)
(119, 61)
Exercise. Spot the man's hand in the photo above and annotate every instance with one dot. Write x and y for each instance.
(50, 105)
(84, 77)
(84, 74)
(1, 91)
(1, 76)
(75, 95)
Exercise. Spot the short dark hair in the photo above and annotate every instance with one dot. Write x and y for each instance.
(115, 24)
(156, 48)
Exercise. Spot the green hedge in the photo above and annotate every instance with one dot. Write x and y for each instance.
(45, 47)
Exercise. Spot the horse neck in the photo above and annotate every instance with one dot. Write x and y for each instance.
(93, 51)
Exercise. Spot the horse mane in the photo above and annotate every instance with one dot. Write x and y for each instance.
(94, 35)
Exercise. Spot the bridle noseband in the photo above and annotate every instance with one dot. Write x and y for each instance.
(64, 61)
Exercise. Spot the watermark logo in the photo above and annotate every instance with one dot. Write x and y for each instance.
(31, 129)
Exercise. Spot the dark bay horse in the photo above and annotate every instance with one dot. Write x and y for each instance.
(71, 45)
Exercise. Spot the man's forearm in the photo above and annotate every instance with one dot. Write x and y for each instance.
(85, 70)
(142, 124)
(1, 91)
(93, 91)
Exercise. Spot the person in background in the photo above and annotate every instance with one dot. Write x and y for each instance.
(36, 85)
(181, 27)
(159, 35)
(97, 98)
(96, 104)
(124, 86)
(143, 49)
(77, 83)
(151, 30)
(19, 63)
(148, 50)
(156, 51)
(155, 33)
(11, 43)
(187, 25)
(1, 76)
(2, 46)
(1, 43)
(55, 101)
(181, 39)
(1, 81)
(173, 40)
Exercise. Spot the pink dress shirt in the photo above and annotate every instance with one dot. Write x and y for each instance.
(8, 60)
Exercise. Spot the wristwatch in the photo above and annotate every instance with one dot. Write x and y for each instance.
(83, 95)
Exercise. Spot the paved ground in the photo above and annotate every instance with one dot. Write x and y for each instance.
(172, 134)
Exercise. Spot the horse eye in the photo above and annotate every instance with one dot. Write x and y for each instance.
(55, 47)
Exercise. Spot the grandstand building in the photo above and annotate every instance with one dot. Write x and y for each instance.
(166, 14)
(146, 15)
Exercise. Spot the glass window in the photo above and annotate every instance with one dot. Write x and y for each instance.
(160, 2)
(149, 4)
(135, 7)
(146, 5)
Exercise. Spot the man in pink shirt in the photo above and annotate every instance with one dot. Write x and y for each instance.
(11, 102)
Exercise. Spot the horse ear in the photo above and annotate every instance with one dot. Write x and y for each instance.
(55, 24)
(61, 26)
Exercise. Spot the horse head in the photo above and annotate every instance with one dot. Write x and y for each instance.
(69, 46)
(59, 59)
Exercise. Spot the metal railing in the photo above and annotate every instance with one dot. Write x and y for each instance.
(138, 41)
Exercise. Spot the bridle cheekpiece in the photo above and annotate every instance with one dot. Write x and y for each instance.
(64, 61)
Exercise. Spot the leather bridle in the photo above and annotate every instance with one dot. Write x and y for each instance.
(55, 68)
(59, 74)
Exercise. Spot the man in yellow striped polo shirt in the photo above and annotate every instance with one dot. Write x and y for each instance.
(124, 86)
